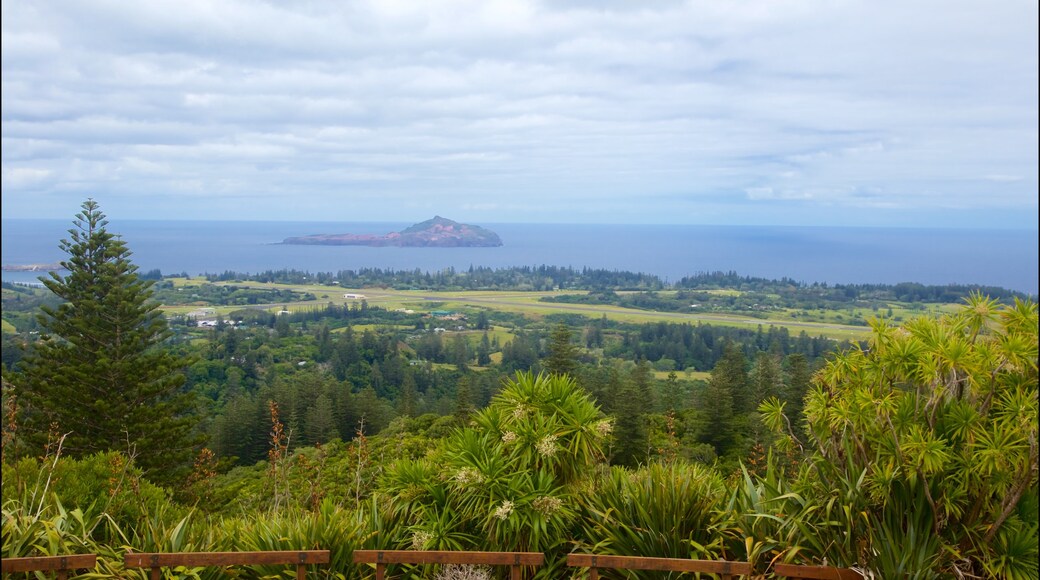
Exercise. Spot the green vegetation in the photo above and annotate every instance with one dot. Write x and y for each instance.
(490, 420)
(98, 378)
(171, 294)
(932, 430)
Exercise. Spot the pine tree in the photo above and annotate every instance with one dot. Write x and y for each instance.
(642, 376)
(798, 376)
(99, 371)
(725, 399)
(484, 351)
(766, 378)
(563, 355)
(731, 372)
(630, 433)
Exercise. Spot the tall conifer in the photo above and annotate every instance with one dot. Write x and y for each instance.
(99, 371)
(563, 354)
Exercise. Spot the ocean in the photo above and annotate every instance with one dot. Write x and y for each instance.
(1006, 258)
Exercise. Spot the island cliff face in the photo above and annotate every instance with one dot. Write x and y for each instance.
(434, 233)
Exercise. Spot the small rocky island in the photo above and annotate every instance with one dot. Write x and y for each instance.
(434, 233)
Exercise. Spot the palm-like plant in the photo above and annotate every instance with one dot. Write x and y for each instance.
(938, 420)
(507, 481)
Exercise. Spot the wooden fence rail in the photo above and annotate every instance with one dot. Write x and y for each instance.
(157, 561)
(594, 562)
(815, 572)
(720, 567)
(59, 564)
(515, 560)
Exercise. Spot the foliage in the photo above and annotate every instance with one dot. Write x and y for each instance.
(510, 480)
(104, 483)
(98, 373)
(563, 354)
(662, 510)
(934, 428)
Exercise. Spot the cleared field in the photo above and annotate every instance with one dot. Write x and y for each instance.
(363, 327)
(527, 303)
(684, 375)
(186, 282)
(9, 328)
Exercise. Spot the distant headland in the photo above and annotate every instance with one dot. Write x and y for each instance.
(433, 233)
(32, 267)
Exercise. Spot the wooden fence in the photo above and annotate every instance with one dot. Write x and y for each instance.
(515, 560)
(722, 568)
(381, 558)
(815, 572)
(59, 564)
(593, 562)
(157, 561)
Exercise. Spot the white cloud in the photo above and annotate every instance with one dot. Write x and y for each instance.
(24, 177)
(572, 107)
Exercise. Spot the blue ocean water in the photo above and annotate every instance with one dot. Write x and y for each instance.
(1006, 258)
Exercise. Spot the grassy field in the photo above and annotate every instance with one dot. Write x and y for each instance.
(684, 375)
(528, 304)
(363, 327)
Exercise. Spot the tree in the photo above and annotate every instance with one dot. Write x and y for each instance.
(766, 377)
(731, 373)
(460, 352)
(798, 377)
(484, 351)
(724, 400)
(563, 355)
(99, 371)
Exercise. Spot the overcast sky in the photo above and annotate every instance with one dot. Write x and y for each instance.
(827, 112)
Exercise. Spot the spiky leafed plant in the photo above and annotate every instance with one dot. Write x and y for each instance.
(936, 422)
(660, 510)
(507, 481)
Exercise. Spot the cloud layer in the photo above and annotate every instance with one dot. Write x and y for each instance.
(907, 113)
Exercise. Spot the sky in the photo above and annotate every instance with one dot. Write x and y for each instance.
(775, 112)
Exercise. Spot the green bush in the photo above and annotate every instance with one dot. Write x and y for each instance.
(104, 483)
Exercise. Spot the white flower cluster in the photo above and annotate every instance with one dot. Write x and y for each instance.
(502, 512)
(463, 572)
(547, 446)
(547, 505)
(520, 412)
(468, 475)
(421, 539)
(509, 437)
(605, 427)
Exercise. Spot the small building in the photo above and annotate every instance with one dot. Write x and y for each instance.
(349, 296)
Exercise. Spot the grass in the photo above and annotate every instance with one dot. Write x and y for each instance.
(528, 304)
(9, 328)
(684, 375)
(186, 282)
(373, 327)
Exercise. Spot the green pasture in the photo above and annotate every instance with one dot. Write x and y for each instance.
(373, 327)
(689, 375)
(528, 304)
(186, 282)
